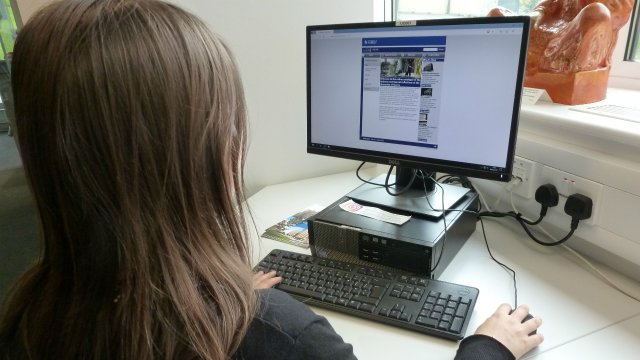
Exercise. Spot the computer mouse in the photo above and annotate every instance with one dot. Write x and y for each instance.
(527, 318)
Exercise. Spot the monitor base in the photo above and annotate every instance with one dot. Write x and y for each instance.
(413, 200)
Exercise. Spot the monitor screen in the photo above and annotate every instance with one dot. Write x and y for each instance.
(442, 95)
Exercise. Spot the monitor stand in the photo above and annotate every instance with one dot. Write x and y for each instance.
(413, 200)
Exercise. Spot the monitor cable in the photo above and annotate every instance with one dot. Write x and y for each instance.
(386, 184)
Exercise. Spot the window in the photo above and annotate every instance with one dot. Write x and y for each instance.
(420, 9)
(625, 70)
(633, 47)
(8, 33)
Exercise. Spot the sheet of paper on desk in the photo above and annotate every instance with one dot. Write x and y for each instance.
(293, 230)
(374, 213)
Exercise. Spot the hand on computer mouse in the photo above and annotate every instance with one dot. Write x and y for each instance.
(265, 281)
(511, 329)
(526, 318)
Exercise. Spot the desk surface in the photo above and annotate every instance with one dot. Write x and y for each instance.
(583, 318)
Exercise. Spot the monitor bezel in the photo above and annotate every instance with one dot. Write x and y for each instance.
(415, 162)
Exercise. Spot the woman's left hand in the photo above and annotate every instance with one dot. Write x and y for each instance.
(265, 281)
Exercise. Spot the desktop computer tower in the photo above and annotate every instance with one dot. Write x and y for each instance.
(414, 247)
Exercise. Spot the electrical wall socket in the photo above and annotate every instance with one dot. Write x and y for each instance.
(527, 170)
(568, 184)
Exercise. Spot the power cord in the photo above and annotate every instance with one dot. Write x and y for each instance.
(604, 277)
(578, 206)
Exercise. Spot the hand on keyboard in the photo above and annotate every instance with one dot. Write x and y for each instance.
(262, 280)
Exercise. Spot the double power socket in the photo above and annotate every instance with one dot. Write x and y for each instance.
(533, 174)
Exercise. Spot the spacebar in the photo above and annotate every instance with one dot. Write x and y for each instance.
(300, 292)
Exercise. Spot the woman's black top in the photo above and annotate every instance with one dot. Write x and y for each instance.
(287, 329)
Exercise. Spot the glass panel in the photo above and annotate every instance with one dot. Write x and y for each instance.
(634, 44)
(8, 33)
(433, 9)
(421, 9)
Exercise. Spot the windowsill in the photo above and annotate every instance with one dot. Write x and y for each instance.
(600, 133)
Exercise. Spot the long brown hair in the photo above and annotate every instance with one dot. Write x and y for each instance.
(130, 120)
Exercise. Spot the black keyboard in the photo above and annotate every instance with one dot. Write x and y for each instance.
(411, 302)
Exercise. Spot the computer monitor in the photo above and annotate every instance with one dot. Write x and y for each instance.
(435, 95)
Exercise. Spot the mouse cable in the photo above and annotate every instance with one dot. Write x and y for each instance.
(513, 273)
(466, 183)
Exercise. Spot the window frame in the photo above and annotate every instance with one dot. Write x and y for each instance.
(624, 73)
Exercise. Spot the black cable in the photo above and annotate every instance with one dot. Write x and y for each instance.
(477, 212)
(463, 180)
(444, 217)
(371, 182)
(513, 273)
(363, 180)
(386, 184)
(404, 189)
(574, 226)
(529, 222)
(523, 222)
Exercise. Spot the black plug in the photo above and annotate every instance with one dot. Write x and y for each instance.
(579, 207)
(547, 196)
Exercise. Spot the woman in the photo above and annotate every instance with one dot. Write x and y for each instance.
(131, 125)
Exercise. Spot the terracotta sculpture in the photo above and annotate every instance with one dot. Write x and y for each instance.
(570, 47)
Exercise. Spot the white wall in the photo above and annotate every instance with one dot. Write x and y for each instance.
(268, 40)
(28, 7)
(602, 150)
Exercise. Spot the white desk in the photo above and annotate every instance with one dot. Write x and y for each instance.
(583, 317)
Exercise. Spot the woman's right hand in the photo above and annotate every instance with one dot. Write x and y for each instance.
(507, 327)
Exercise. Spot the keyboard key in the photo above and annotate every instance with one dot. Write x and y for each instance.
(426, 321)
(353, 304)
(365, 299)
(297, 291)
(462, 310)
(367, 307)
(456, 325)
(342, 301)
(405, 317)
